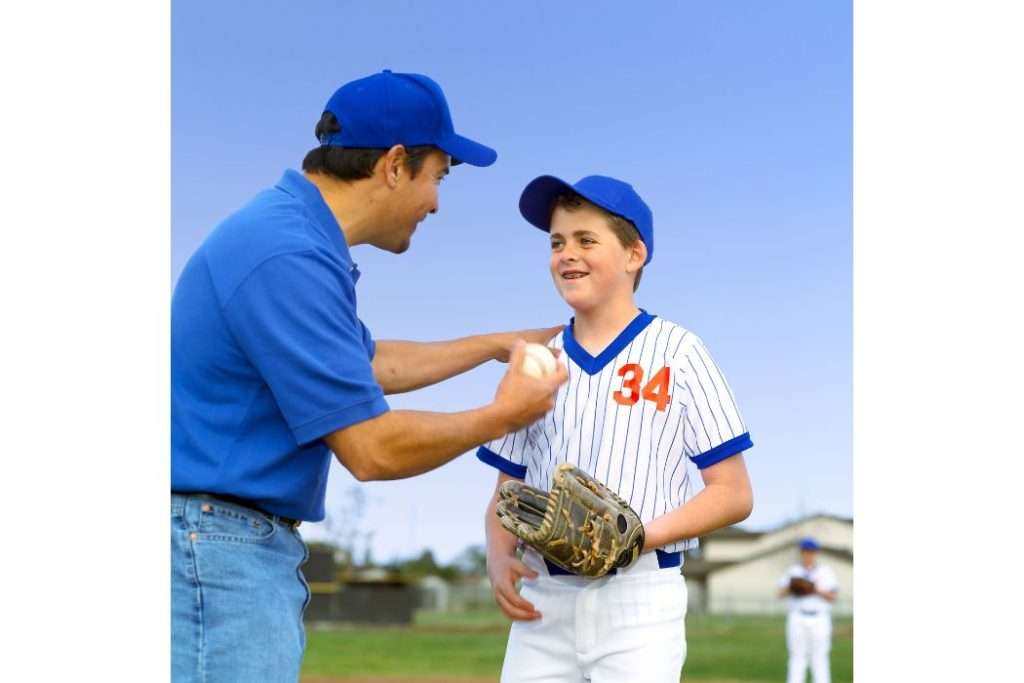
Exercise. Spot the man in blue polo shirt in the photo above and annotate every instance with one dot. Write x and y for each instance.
(272, 371)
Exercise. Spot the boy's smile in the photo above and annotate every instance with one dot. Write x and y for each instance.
(588, 263)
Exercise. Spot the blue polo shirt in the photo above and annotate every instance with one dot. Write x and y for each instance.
(268, 354)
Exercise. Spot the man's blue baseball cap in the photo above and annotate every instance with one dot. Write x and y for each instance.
(388, 109)
(537, 202)
(809, 544)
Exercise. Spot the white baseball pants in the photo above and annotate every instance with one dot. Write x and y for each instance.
(627, 628)
(809, 639)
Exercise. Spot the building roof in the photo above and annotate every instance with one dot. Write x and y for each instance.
(698, 567)
(734, 532)
(695, 566)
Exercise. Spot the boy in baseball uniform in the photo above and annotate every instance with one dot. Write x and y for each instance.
(811, 588)
(643, 399)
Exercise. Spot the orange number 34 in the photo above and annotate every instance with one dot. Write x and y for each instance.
(656, 390)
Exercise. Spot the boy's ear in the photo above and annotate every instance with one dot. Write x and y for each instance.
(637, 256)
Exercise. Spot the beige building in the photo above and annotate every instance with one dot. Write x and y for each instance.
(737, 571)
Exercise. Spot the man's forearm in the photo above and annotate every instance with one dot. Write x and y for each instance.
(404, 443)
(400, 366)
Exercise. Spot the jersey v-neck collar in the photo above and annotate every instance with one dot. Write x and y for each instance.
(592, 365)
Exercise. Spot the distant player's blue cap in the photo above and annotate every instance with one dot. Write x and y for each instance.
(537, 203)
(809, 544)
(388, 109)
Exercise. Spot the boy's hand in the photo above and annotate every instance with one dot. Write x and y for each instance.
(504, 571)
(506, 340)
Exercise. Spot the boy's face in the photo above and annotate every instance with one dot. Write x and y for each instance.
(588, 263)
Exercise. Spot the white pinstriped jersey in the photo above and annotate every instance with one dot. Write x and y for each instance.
(631, 417)
(821, 576)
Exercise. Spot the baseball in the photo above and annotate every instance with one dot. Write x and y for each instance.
(538, 360)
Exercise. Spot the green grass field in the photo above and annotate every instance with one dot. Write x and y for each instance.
(450, 647)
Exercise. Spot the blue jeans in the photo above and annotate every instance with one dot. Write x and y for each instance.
(237, 594)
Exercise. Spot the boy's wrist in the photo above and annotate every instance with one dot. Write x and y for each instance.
(652, 539)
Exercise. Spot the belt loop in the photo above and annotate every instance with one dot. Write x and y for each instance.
(190, 510)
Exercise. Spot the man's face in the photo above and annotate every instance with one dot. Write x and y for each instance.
(414, 199)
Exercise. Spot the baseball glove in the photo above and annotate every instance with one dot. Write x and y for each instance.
(580, 525)
(798, 586)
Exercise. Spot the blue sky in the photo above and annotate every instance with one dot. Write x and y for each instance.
(733, 120)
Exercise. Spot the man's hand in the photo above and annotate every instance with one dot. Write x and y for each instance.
(503, 571)
(506, 340)
(520, 399)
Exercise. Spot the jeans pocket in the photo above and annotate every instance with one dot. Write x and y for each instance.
(233, 525)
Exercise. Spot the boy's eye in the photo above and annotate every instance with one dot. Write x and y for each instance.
(587, 240)
(555, 246)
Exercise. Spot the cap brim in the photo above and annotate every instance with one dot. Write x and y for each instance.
(536, 201)
(464, 150)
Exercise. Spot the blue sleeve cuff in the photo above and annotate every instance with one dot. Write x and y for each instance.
(507, 466)
(339, 419)
(735, 445)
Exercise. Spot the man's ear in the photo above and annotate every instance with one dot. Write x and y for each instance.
(392, 165)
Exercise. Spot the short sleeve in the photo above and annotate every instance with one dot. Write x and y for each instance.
(295, 318)
(713, 429)
(828, 581)
(368, 343)
(509, 454)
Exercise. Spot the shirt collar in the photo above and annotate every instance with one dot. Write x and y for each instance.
(298, 186)
(592, 365)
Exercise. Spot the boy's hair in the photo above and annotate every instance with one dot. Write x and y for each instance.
(345, 163)
(624, 230)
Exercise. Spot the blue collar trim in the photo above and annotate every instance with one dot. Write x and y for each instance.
(591, 365)
(296, 184)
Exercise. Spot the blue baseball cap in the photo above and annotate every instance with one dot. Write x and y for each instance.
(613, 195)
(388, 109)
(809, 544)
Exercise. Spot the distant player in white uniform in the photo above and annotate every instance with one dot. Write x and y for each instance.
(643, 398)
(809, 622)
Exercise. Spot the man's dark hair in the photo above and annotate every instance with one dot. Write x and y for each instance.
(351, 163)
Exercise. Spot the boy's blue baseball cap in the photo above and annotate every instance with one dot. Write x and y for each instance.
(809, 544)
(613, 195)
(388, 109)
